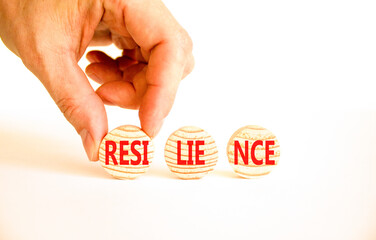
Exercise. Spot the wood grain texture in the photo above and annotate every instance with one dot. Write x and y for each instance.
(210, 154)
(253, 133)
(126, 133)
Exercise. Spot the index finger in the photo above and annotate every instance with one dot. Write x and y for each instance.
(167, 47)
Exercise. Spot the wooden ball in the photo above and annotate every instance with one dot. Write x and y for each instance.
(191, 153)
(253, 151)
(126, 152)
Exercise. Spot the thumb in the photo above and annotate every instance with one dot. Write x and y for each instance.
(81, 106)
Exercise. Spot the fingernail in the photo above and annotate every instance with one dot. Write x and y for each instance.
(93, 76)
(89, 145)
(156, 129)
(91, 57)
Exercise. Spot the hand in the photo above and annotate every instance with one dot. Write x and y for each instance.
(51, 36)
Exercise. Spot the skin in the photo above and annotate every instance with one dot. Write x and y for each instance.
(50, 36)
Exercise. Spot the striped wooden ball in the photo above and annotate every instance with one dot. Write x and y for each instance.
(253, 151)
(126, 152)
(191, 153)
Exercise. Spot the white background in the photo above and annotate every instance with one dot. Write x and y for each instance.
(303, 69)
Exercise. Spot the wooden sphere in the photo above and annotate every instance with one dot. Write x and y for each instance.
(251, 134)
(134, 158)
(186, 167)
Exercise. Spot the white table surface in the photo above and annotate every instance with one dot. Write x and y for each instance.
(304, 70)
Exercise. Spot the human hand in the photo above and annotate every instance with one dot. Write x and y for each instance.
(51, 36)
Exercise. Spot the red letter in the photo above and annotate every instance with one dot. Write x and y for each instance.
(243, 155)
(145, 161)
(254, 159)
(180, 162)
(199, 152)
(190, 157)
(110, 153)
(123, 152)
(135, 152)
(269, 152)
